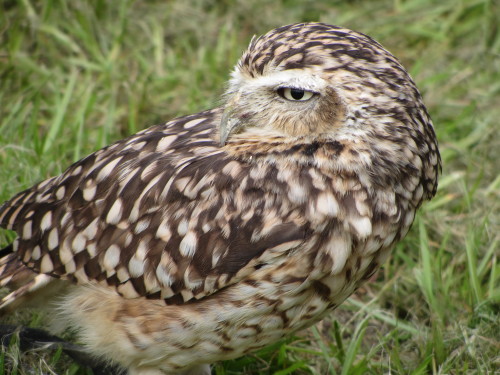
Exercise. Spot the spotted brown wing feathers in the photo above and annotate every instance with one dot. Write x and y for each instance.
(147, 222)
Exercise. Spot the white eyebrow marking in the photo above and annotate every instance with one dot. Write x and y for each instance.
(305, 79)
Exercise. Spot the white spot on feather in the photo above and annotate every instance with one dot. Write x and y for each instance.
(92, 250)
(408, 220)
(46, 265)
(134, 213)
(187, 247)
(166, 292)
(182, 227)
(151, 284)
(136, 267)
(122, 274)
(165, 142)
(115, 212)
(163, 231)
(53, 240)
(89, 192)
(76, 171)
(361, 206)
(70, 267)
(233, 169)
(327, 205)
(60, 192)
(65, 219)
(112, 257)
(142, 250)
(339, 249)
(27, 231)
(79, 243)
(91, 230)
(148, 170)
(137, 145)
(362, 226)
(65, 254)
(187, 295)
(163, 276)
(193, 123)
(107, 169)
(141, 226)
(297, 193)
(209, 286)
(166, 269)
(12, 216)
(37, 253)
(181, 183)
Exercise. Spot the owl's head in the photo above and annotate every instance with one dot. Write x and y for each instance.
(311, 81)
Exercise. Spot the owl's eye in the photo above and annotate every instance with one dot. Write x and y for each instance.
(296, 95)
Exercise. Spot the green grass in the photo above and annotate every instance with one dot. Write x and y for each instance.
(76, 75)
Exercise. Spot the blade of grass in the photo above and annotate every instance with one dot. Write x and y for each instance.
(61, 110)
(354, 345)
(86, 105)
(493, 288)
(488, 258)
(290, 370)
(324, 350)
(385, 317)
(470, 250)
(425, 275)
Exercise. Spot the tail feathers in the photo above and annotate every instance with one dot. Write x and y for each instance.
(29, 289)
(32, 294)
(13, 273)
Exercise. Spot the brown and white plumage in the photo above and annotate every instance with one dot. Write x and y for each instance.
(218, 233)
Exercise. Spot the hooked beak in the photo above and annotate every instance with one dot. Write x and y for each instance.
(229, 123)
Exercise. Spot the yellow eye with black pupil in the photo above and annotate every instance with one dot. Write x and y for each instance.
(293, 94)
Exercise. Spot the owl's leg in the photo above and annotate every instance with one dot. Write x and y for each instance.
(34, 338)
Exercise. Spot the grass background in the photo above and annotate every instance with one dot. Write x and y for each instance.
(77, 75)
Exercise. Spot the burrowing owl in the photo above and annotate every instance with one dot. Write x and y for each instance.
(215, 234)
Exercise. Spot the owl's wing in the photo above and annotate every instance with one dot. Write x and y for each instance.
(165, 213)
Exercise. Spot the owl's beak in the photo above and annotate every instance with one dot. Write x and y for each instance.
(230, 122)
(227, 124)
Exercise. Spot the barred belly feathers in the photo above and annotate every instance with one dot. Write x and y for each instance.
(221, 232)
